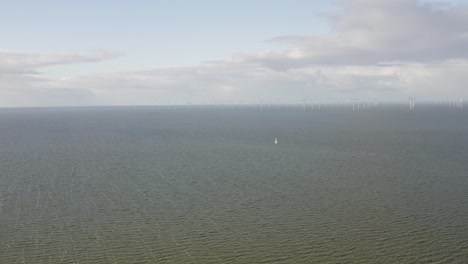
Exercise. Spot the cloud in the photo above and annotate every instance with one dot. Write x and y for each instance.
(32, 90)
(26, 62)
(228, 82)
(367, 32)
(387, 49)
(21, 84)
(237, 82)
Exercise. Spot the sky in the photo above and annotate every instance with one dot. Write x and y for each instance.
(90, 53)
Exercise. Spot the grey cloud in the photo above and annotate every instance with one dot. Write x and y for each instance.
(24, 90)
(206, 83)
(235, 82)
(228, 82)
(367, 32)
(62, 97)
(21, 84)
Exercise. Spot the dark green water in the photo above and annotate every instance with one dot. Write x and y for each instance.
(173, 186)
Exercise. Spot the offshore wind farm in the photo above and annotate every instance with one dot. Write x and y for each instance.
(327, 131)
(311, 105)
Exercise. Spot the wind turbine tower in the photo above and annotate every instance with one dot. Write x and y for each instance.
(411, 103)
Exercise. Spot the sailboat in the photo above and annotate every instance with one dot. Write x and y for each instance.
(276, 141)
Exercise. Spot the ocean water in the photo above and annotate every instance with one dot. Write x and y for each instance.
(142, 185)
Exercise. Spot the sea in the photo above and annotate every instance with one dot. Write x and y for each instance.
(208, 185)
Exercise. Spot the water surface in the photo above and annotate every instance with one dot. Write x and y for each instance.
(142, 185)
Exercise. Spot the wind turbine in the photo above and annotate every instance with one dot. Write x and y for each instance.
(411, 102)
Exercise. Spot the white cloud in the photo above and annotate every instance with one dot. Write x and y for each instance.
(27, 62)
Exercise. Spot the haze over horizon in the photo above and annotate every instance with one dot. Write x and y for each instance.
(66, 53)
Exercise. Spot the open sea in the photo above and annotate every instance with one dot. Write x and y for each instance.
(145, 185)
